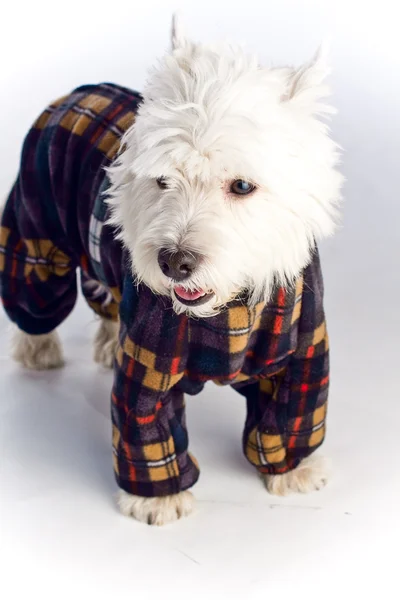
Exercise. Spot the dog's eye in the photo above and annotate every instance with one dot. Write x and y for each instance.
(162, 183)
(241, 187)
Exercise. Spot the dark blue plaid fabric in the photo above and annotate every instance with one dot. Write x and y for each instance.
(275, 354)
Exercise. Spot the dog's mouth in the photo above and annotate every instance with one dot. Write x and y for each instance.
(194, 298)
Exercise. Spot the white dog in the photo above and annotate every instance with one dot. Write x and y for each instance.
(225, 178)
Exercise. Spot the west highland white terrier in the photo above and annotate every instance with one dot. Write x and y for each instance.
(192, 212)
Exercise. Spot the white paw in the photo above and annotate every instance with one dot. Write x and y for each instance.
(37, 351)
(156, 511)
(310, 475)
(105, 343)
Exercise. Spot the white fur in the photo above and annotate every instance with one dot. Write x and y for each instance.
(156, 511)
(211, 115)
(311, 474)
(178, 36)
(37, 351)
(105, 343)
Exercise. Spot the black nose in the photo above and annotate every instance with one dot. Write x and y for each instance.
(177, 265)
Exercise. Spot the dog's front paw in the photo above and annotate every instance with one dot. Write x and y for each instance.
(156, 511)
(37, 351)
(310, 475)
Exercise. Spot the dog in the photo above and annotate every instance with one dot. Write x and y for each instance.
(192, 212)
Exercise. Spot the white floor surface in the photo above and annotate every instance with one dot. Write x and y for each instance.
(61, 534)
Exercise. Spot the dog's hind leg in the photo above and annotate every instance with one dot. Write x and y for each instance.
(105, 343)
(101, 301)
(37, 351)
(38, 288)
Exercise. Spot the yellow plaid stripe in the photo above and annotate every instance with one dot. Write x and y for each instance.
(4, 234)
(95, 103)
(318, 434)
(160, 457)
(57, 262)
(263, 448)
(298, 296)
(242, 322)
(42, 257)
(153, 379)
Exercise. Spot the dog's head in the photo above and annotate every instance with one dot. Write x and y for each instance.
(227, 177)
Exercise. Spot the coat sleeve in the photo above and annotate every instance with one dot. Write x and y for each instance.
(286, 412)
(150, 440)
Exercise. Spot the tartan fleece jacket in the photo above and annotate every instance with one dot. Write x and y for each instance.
(275, 354)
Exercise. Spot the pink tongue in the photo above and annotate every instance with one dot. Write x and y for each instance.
(185, 295)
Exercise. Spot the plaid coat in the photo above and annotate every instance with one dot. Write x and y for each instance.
(275, 354)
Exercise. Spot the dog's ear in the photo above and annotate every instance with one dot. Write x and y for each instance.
(306, 85)
(178, 37)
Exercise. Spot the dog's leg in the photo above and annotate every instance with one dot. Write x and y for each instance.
(310, 475)
(152, 464)
(37, 351)
(105, 343)
(156, 511)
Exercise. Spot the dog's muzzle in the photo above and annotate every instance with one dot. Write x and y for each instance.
(179, 266)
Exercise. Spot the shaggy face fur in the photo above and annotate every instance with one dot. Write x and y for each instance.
(212, 116)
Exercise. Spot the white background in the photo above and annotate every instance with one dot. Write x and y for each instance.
(60, 534)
